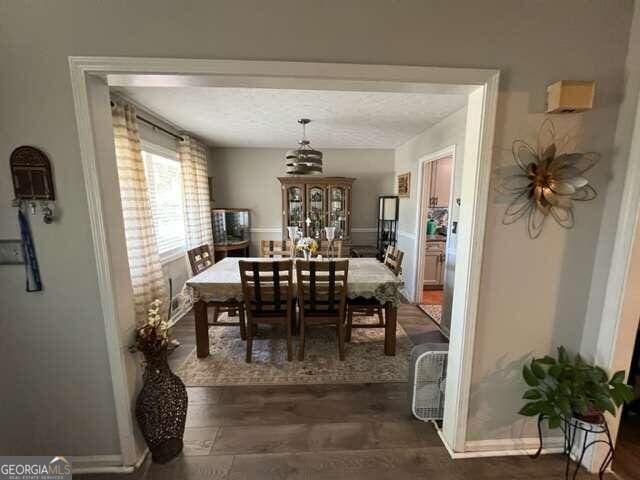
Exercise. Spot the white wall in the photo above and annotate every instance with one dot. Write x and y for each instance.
(447, 132)
(614, 188)
(247, 178)
(53, 345)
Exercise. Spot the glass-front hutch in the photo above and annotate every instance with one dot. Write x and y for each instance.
(312, 203)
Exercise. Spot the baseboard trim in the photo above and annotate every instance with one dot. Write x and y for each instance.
(503, 448)
(404, 296)
(178, 316)
(104, 463)
(513, 446)
(98, 463)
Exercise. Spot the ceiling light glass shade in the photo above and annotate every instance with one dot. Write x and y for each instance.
(305, 160)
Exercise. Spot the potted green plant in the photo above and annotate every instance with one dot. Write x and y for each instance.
(570, 387)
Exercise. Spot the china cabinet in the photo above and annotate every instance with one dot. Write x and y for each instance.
(312, 203)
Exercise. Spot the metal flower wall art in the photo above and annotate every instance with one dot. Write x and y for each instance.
(549, 182)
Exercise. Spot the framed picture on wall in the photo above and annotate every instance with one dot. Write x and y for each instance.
(404, 185)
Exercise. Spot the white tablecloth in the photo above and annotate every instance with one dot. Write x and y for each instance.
(367, 278)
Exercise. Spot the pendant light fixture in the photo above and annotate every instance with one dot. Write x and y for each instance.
(305, 160)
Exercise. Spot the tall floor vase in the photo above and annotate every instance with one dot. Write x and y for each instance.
(161, 408)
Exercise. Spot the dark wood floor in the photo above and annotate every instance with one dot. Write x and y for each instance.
(627, 462)
(350, 432)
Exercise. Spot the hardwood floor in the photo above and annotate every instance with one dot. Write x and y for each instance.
(627, 461)
(348, 431)
(432, 297)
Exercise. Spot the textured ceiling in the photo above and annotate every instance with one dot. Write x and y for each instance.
(260, 117)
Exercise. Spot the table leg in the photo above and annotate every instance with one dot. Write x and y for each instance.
(391, 314)
(202, 329)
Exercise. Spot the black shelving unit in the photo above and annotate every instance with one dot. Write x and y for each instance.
(388, 212)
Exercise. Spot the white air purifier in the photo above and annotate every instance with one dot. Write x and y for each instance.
(427, 378)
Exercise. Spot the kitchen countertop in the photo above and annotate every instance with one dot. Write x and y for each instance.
(436, 238)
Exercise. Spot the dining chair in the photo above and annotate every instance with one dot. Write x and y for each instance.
(200, 259)
(267, 288)
(366, 307)
(393, 259)
(274, 249)
(322, 295)
(327, 252)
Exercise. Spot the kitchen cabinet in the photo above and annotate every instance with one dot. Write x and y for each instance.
(438, 177)
(434, 262)
(325, 201)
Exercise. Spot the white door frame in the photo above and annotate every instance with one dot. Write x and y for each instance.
(330, 76)
(421, 212)
(613, 351)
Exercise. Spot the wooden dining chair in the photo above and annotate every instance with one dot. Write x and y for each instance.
(365, 307)
(393, 259)
(274, 249)
(328, 252)
(322, 295)
(200, 259)
(268, 297)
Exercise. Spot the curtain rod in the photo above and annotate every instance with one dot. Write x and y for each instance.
(156, 126)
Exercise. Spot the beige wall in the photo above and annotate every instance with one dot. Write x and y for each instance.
(247, 178)
(613, 194)
(447, 132)
(53, 343)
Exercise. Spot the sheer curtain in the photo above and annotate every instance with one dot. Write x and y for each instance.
(195, 187)
(147, 278)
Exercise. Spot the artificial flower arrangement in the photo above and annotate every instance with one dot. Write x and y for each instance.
(154, 336)
(307, 245)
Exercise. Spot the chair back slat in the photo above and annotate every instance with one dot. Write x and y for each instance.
(322, 286)
(274, 249)
(276, 286)
(200, 258)
(267, 286)
(393, 259)
(332, 285)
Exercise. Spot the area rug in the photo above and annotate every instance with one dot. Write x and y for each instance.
(434, 311)
(364, 362)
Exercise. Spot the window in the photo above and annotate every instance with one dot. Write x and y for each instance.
(164, 179)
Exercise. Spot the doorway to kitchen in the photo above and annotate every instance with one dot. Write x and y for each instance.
(437, 238)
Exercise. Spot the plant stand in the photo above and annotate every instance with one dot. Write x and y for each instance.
(570, 428)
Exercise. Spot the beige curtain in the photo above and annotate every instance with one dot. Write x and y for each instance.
(147, 278)
(195, 187)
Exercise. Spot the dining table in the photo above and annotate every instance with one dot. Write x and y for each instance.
(368, 280)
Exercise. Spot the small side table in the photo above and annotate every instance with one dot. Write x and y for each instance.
(230, 249)
(570, 428)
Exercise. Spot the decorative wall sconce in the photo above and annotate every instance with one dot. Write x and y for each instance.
(32, 181)
(569, 96)
(551, 180)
